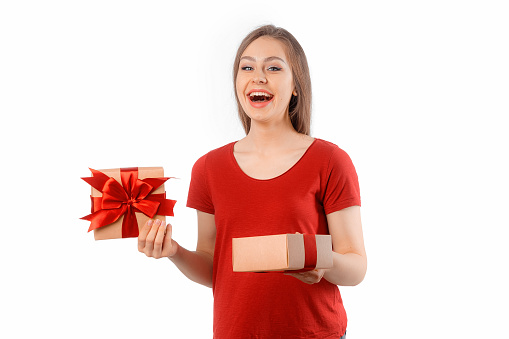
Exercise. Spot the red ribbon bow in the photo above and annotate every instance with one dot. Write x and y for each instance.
(134, 195)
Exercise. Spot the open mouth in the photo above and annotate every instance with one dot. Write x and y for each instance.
(259, 97)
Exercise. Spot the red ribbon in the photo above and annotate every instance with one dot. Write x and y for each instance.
(310, 250)
(134, 195)
(310, 254)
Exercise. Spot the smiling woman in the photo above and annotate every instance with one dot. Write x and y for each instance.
(276, 180)
(264, 82)
(294, 61)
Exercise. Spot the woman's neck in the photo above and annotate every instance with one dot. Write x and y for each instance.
(270, 138)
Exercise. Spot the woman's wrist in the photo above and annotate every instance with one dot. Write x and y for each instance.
(349, 269)
(176, 252)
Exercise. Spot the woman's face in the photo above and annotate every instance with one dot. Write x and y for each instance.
(264, 81)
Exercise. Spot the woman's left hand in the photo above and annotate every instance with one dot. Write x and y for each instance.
(309, 277)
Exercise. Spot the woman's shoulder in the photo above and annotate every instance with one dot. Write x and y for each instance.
(331, 156)
(221, 151)
(217, 154)
(329, 148)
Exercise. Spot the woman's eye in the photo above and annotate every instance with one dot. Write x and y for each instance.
(274, 68)
(247, 68)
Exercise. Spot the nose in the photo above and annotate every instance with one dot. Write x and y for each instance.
(259, 77)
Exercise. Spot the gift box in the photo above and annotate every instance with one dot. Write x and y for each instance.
(282, 252)
(123, 199)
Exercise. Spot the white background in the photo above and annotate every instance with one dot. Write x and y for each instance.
(415, 91)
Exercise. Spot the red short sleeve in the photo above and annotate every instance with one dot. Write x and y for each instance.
(342, 185)
(199, 194)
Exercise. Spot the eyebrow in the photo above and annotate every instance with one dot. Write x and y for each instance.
(266, 59)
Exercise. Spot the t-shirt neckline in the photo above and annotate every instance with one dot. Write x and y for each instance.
(237, 166)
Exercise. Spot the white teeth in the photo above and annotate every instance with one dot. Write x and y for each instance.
(259, 94)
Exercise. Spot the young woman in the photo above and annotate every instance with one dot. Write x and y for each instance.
(276, 180)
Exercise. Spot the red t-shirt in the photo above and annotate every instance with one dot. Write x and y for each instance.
(273, 305)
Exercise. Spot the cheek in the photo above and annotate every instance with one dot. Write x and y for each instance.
(239, 88)
(286, 93)
(287, 88)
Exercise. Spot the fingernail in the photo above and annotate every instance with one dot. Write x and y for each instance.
(150, 222)
(158, 222)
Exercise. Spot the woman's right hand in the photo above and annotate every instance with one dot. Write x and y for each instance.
(155, 240)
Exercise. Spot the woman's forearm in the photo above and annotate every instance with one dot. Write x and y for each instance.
(348, 269)
(195, 265)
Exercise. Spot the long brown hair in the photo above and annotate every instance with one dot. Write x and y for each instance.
(300, 105)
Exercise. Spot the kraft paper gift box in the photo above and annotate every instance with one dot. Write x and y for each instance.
(123, 199)
(282, 252)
